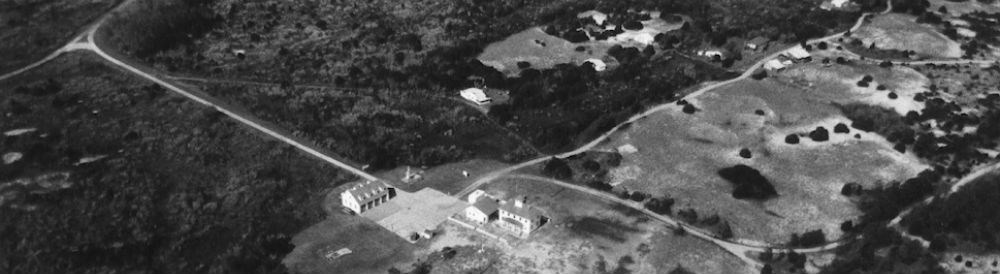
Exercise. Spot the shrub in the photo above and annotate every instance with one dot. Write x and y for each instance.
(660, 206)
(792, 139)
(750, 184)
(841, 128)
(745, 153)
(689, 109)
(557, 168)
(862, 84)
(892, 95)
(819, 134)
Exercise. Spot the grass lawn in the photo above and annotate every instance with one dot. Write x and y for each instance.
(838, 84)
(446, 178)
(374, 248)
(538, 48)
(957, 8)
(902, 32)
(679, 155)
(587, 234)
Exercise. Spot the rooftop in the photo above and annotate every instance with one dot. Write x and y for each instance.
(487, 205)
(525, 211)
(368, 191)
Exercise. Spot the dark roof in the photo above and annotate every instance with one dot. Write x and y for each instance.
(487, 205)
(526, 211)
(368, 191)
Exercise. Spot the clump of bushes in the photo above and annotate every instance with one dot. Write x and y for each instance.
(750, 184)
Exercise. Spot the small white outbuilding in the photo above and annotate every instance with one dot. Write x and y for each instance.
(598, 64)
(774, 65)
(797, 53)
(475, 95)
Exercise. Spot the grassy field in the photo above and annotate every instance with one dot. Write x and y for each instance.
(584, 235)
(679, 154)
(901, 32)
(540, 49)
(446, 178)
(374, 248)
(33, 28)
(957, 8)
(838, 83)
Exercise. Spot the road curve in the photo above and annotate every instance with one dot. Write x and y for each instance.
(486, 178)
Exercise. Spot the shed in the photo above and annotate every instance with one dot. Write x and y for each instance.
(475, 95)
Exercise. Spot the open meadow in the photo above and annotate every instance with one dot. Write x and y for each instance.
(901, 32)
(679, 154)
(588, 234)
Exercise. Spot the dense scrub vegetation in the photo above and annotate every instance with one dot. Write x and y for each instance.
(432, 45)
(380, 128)
(966, 217)
(30, 29)
(123, 176)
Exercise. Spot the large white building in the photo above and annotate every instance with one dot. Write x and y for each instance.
(519, 218)
(366, 195)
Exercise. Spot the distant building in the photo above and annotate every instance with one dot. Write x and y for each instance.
(711, 53)
(483, 211)
(797, 53)
(757, 43)
(366, 195)
(519, 218)
(598, 64)
(475, 95)
(774, 64)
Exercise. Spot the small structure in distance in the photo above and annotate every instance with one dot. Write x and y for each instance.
(797, 53)
(366, 195)
(774, 65)
(333, 255)
(475, 95)
(598, 64)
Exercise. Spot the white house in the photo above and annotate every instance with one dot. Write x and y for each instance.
(710, 53)
(519, 218)
(483, 211)
(366, 195)
(774, 64)
(598, 64)
(797, 53)
(475, 95)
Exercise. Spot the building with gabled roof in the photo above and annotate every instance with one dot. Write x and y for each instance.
(797, 53)
(366, 195)
(483, 211)
(520, 218)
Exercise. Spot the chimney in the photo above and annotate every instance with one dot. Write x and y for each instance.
(519, 202)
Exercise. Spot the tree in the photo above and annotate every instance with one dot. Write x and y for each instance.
(792, 139)
(819, 134)
(557, 168)
(750, 184)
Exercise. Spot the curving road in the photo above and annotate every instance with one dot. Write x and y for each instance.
(486, 178)
(87, 42)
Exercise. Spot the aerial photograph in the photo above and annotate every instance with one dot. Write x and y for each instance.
(500, 136)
